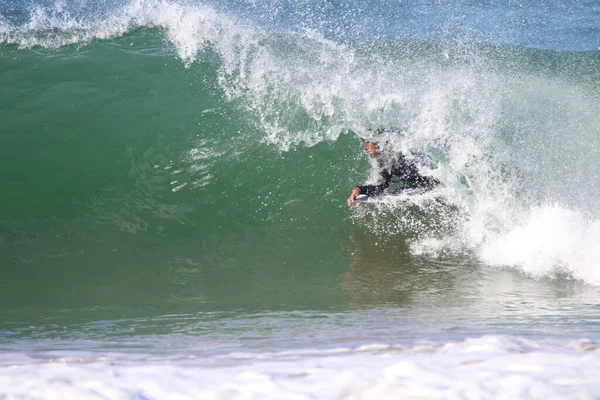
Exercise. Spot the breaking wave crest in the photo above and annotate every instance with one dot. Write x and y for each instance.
(511, 132)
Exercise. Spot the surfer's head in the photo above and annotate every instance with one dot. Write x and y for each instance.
(372, 148)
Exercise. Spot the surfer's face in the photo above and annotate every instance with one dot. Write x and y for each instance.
(372, 148)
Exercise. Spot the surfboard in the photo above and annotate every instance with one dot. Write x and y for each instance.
(387, 198)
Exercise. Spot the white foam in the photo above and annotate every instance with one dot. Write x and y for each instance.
(532, 204)
(189, 28)
(551, 240)
(486, 367)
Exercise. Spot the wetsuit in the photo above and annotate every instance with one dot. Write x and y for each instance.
(398, 169)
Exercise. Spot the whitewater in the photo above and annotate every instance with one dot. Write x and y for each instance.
(174, 176)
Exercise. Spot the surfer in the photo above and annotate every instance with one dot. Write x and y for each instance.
(392, 168)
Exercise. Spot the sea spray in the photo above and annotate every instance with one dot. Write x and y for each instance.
(173, 186)
(508, 131)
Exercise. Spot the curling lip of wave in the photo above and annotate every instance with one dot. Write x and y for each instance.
(189, 28)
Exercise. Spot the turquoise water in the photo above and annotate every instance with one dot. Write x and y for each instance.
(174, 179)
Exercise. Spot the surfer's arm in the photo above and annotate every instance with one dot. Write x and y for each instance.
(369, 190)
(353, 195)
(374, 190)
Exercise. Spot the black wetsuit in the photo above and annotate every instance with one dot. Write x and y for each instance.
(398, 169)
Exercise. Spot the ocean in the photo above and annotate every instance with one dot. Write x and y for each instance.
(173, 186)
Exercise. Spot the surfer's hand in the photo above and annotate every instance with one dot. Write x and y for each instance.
(355, 192)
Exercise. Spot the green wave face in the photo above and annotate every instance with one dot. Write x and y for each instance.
(181, 160)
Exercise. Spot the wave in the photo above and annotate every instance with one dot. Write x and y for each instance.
(55, 26)
(519, 125)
